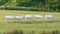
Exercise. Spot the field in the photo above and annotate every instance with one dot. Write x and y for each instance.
(29, 25)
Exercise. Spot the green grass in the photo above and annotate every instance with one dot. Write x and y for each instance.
(31, 24)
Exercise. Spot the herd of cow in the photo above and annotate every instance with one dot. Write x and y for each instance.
(28, 17)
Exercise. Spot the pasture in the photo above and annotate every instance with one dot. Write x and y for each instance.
(29, 25)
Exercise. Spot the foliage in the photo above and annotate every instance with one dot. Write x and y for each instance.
(39, 4)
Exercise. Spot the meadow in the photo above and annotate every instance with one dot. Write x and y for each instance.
(29, 25)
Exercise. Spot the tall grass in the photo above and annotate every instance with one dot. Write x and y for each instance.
(33, 32)
(14, 32)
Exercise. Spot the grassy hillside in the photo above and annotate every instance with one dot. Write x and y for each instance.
(28, 25)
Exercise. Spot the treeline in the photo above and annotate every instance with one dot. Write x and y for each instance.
(35, 4)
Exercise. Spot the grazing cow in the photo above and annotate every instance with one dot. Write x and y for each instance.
(10, 18)
(38, 16)
(29, 16)
(19, 17)
(49, 16)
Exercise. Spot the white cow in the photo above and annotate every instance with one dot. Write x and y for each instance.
(19, 17)
(49, 16)
(10, 17)
(29, 16)
(38, 16)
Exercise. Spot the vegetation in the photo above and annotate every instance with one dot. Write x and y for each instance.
(33, 32)
(35, 4)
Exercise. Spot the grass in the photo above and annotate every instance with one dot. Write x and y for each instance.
(29, 25)
(33, 32)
